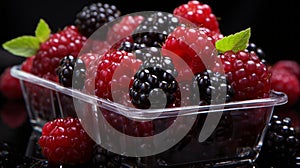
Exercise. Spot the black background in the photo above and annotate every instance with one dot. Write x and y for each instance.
(273, 24)
(274, 29)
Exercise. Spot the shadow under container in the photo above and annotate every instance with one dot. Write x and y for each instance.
(211, 135)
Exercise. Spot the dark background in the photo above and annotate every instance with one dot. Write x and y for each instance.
(273, 24)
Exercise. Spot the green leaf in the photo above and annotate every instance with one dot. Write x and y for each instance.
(234, 42)
(25, 46)
(42, 31)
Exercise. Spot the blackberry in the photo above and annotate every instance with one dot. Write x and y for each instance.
(281, 142)
(152, 57)
(103, 158)
(65, 72)
(154, 30)
(95, 15)
(6, 155)
(32, 162)
(130, 46)
(259, 52)
(205, 84)
(148, 85)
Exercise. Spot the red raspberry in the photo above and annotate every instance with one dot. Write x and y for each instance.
(65, 42)
(64, 141)
(10, 86)
(285, 81)
(114, 76)
(199, 14)
(288, 65)
(247, 74)
(27, 64)
(123, 29)
(126, 65)
(189, 44)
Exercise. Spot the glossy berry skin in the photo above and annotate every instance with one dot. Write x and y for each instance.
(64, 141)
(290, 65)
(117, 69)
(284, 81)
(95, 15)
(145, 91)
(152, 57)
(123, 29)
(65, 42)
(65, 70)
(210, 83)
(199, 14)
(247, 74)
(190, 45)
(68, 65)
(129, 46)
(281, 142)
(259, 52)
(154, 29)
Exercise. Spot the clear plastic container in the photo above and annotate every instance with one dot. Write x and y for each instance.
(210, 135)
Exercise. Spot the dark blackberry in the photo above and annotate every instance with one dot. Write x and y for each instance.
(210, 83)
(65, 72)
(259, 52)
(148, 85)
(95, 15)
(6, 155)
(154, 30)
(152, 57)
(130, 46)
(281, 143)
(32, 162)
(103, 158)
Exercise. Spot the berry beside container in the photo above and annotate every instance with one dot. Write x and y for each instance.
(210, 135)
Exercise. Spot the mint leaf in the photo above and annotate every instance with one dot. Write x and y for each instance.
(42, 31)
(22, 46)
(234, 42)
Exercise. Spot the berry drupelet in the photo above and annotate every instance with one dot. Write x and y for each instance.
(212, 86)
(281, 142)
(148, 85)
(66, 69)
(95, 15)
(154, 29)
(259, 52)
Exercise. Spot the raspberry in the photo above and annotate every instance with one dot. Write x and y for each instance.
(64, 141)
(95, 15)
(199, 14)
(285, 81)
(10, 86)
(259, 52)
(123, 29)
(206, 83)
(289, 65)
(154, 29)
(27, 64)
(281, 143)
(189, 44)
(248, 76)
(125, 63)
(65, 42)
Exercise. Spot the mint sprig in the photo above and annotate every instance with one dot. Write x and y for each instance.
(26, 45)
(234, 42)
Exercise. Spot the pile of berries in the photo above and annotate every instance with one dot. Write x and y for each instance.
(154, 57)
